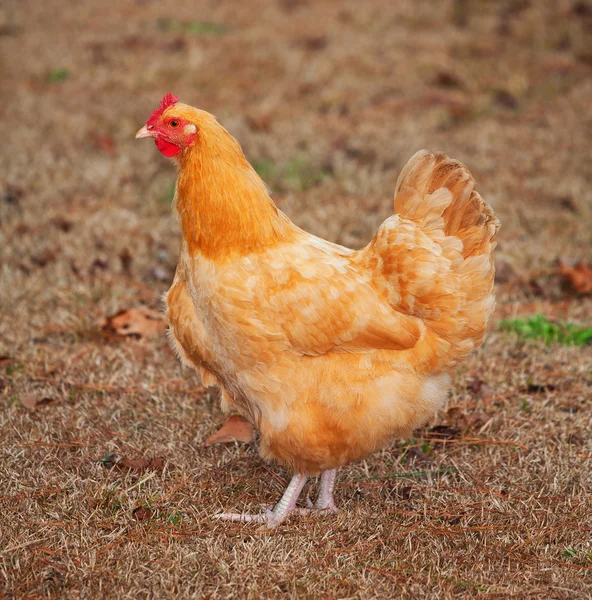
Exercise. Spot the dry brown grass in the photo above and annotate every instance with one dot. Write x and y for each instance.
(335, 96)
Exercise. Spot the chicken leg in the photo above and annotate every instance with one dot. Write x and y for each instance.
(287, 504)
(325, 501)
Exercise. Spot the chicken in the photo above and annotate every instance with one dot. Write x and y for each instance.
(332, 353)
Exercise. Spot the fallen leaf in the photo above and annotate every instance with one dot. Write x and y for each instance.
(418, 459)
(43, 257)
(578, 277)
(133, 464)
(447, 79)
(135, 323)
(455, 413)
(12, 195)
(176, 45)
(33, 401)
(443, 432)
(582, 9)
(403, 492)
(157, 463)
(62, 224)
(538, 388)
(314, 43)
(142, 513)
(475, 386)
(505, 99)
(476, 420)
(479, 388)
(236, 429)
(575, 438)
(568, 203)
(98, 263)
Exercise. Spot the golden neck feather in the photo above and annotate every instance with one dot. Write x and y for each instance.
(223, 206)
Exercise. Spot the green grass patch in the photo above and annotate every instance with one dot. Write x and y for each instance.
(175, 518)
(539, 327)
(58, 75)
(191, 27)
(266, 169)
(299, 173)
(169, 194)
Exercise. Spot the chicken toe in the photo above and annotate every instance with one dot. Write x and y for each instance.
(281, 511)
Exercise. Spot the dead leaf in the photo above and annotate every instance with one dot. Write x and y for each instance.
(404, 492)
(476, 420)
(142, 513)
(176, 45)
(582, 9)
(314, 43)
(479, 388)
(475, 386)
(157, 463)
(133, 464)
(137, 323)
(140, 464)
(418, 459)
(12, 195)
(578, 277)
(539, 388)
(455, 413)
(236, 429)
(505, 99)
(447, 79)
(98, 263)
(443, 432)
(43, 257)
(568, 203)
(33, 401)
(62, 224)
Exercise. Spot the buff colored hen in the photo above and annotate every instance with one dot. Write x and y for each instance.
(330, 352)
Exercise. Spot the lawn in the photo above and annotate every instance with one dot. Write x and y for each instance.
(107, 489)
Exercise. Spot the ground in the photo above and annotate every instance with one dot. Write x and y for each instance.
(492, 499)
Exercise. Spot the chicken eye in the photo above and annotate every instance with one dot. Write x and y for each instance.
(174, 123)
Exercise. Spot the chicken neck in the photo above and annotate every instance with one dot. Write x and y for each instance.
(223, 206)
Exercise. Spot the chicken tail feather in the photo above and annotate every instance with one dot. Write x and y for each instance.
(438, 194)
(433, 259)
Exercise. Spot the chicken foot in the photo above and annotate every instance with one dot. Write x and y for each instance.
(287, 504)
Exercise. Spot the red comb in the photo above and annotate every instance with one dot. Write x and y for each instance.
(167, 101)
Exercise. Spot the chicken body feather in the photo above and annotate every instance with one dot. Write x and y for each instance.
(331, 352)
(305, 346)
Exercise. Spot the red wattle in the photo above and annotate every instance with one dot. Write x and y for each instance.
(166, 148)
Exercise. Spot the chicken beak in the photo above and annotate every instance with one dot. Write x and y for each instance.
(145, 132)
